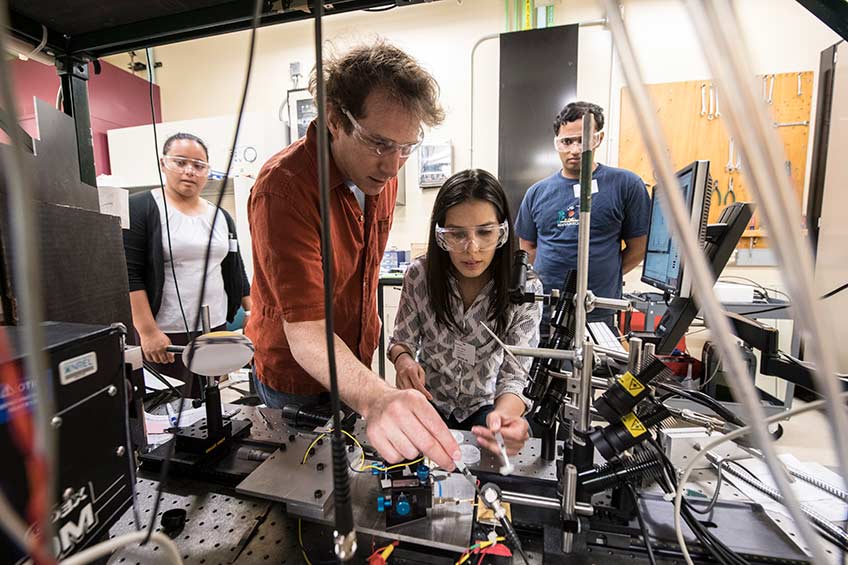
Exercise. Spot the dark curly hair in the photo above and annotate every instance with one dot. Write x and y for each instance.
(351, 77)
(575, 111)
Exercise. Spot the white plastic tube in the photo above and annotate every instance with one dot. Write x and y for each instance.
(171, 552)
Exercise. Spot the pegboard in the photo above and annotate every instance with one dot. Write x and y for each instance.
(215, 526)
(690, 114)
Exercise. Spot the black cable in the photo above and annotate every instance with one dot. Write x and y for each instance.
(171, 446)
(170, 451)
(719, 482)
(341, 479)
(642, 526)
(162, 187)
(704, 399)
(834, 292)
(766, 310)
(158, 376)
(708, 541)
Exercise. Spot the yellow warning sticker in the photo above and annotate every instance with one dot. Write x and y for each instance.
(633, 425)
(631, 384)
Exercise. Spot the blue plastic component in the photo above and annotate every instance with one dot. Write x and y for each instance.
(403, 508)
(381, 504)
(423, 473)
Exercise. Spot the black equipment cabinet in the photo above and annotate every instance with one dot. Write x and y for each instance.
(94, 481)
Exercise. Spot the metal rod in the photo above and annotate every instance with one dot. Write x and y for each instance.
(585, 398)
(205, 319)
(151, 66)
(471, 97)
(634, 363)
(530, 500)
(542, 352)
(586, 166)
(648, 352)
(600, 383)
(613, 304)
(206, 325)
(603, 352)
(569, 500)
(592, 23)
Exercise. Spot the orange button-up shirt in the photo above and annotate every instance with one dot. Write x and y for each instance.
(288, 284)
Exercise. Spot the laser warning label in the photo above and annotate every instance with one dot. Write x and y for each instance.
(631, 384)
(634, 425)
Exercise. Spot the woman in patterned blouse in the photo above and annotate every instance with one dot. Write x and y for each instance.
(439, 345)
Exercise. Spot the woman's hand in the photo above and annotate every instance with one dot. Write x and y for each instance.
(515, 431)
(409, 374)
(153, 344)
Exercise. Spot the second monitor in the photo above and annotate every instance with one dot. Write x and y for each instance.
(663, 267)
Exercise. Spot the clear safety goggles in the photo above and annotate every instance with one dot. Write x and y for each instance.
(380, 145)
(563, 143)
(485, 238)
(184, 165)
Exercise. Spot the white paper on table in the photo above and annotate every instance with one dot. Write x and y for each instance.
(153, 383)
(158, 423)
(814, 498)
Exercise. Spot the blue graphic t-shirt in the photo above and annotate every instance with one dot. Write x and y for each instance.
(550, 213)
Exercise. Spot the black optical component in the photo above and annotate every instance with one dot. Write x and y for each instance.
(628, 391)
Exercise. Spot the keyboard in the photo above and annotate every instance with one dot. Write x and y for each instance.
(603, 335)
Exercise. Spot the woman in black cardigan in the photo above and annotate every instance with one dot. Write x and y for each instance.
(164, 292)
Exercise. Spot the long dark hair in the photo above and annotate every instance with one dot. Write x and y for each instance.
(471, 184)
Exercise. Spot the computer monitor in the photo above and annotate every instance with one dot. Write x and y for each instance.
(720, 241)
(663, 267)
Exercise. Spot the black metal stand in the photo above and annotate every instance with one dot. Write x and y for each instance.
(73, 73)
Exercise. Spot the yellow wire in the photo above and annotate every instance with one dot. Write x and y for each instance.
(481, 545)
(311, 445)
(300, 541)
(355, 441)
(419, 460)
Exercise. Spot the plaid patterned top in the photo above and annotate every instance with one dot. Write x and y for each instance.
(459, 387)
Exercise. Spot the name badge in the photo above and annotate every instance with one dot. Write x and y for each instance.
(465, 352)
(594, 188)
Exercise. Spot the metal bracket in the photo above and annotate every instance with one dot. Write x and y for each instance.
(72, 66)
(73, 73)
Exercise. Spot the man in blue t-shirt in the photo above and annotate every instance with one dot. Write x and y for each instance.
(547, 223)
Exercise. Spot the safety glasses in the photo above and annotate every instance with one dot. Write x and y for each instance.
(563, 143)
(485, 238)
(378, 145)
(184, 165)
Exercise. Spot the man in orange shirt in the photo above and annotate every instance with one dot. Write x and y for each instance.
(377, 99)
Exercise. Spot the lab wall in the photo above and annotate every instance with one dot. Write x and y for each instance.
(203, 78)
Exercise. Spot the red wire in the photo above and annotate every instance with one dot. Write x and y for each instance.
(23, 434)
(374, 556)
